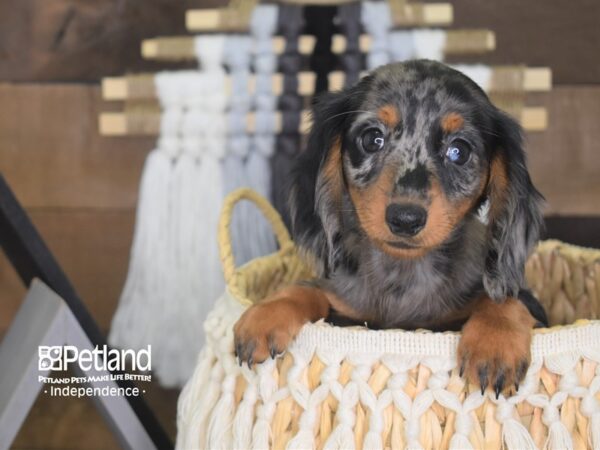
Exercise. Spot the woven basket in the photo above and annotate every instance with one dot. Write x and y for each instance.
(357, 388)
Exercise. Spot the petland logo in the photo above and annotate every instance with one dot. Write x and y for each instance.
(105, 359)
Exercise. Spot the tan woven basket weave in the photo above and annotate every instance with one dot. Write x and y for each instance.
(358, 388)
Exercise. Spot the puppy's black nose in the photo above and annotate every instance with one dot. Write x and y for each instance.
(405, 220)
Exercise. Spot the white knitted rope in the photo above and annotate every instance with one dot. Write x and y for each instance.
(376, 19)
(263, 25)
(347, 397)
(424, 343)
(126, 331)
(209, 183)
(175, 259)
(171, 96)
(413, 44)
(199, 99)
(186, 239)
(363, 364)
(214, 371)
(480, 74)
(244, 416)
(238, 59)
(147, 285)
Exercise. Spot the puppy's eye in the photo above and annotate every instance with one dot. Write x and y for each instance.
(372, 140)
(458, 152)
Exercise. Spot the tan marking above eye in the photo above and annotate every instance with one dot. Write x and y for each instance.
(452, 122)
(389, 115)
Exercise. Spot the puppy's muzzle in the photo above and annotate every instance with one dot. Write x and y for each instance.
(405, 219)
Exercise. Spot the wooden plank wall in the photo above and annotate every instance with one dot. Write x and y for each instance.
(68, 40)
(81, 189)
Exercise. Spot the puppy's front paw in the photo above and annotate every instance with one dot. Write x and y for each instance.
(495, 346)
(266, 329)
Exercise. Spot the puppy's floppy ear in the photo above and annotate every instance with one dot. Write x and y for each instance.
(318, 181)
(515, 217)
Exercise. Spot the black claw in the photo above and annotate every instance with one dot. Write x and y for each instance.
(272, 349)
(521, 370)
(483, 378)
(238, 352)
(248, 352)
(461, 371)
(499, 384)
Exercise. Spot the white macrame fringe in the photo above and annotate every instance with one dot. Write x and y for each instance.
(559, 437)
(460, 442)
(244, 418)
(516, 436)
(219, 433)
(175, 272)
(127, 328)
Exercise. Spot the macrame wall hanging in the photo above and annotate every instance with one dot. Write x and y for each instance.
(239, 121)
(203, 152)
(290, 104)
(248, 159)
(174, 267)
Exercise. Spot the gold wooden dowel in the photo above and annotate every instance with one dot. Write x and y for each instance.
(538, 79)
(503, 79)
(148, 123)
(533, 118)
(407, 14)
(414, 14)
(469, 41)
(521, 78)
(128, 87)
(177, 48)
(169, 48)
(139, 87)
(457, 42)
(180, 48)
(215, 19)
(129, 124)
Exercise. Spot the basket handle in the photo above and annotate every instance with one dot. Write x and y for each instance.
(224, 234)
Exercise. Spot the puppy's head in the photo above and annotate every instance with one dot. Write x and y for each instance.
(408, 155)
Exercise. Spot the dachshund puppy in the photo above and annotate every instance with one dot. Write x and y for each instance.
(414, 203)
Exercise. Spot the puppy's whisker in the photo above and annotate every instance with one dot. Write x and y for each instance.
(346, 112)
